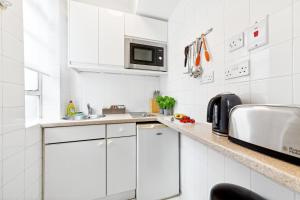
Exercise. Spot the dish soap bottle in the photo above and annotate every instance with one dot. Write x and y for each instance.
(71, 111)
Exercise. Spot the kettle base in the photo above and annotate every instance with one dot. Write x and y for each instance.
(220, 134)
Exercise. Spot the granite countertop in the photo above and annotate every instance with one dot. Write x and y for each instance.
(279, 171)
(108, 119)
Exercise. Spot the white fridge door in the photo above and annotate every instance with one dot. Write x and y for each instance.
(158, 162)
(75, 171)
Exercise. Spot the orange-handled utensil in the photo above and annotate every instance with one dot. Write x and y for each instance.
(198, 59)
(206, 53)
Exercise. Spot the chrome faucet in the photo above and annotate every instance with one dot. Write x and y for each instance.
(90, 109)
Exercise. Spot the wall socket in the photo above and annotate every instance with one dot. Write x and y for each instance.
(238, 70)
(207, 77)
(236, 42)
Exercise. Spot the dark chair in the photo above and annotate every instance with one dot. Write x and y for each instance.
(226, 191)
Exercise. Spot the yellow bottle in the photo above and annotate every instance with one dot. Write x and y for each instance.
(71, 111)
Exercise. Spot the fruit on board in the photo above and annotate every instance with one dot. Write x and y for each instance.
(179, 116)
(187, 119)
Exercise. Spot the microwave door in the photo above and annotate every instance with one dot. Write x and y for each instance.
(142, 54)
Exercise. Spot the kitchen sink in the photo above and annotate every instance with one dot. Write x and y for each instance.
(141, 114)
(83, 117)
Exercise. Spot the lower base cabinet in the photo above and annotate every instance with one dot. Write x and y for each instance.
(75, 170)
(121, 165)
(90, 162)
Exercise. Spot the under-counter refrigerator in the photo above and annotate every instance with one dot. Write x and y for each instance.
(157, 162)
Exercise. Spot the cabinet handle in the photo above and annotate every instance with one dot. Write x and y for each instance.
(158, 134)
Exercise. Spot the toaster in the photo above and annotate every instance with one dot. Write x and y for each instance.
(270, 129)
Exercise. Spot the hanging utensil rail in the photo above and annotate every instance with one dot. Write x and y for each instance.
(199, 38)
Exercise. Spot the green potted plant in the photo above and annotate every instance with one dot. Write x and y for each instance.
(161, 103)
(169, 105)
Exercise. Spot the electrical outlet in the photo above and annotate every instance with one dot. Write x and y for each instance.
(208, 77)
(236, 42)
(238, 70)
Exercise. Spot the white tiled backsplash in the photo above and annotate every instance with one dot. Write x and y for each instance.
(20, 148)
(274, 68)
(103, 90)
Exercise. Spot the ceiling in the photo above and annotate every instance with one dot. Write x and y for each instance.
(161, 9)
(121, 5)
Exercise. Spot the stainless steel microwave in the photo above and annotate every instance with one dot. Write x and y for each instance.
(145, 55)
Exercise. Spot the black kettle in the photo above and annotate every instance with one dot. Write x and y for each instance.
(218, 110)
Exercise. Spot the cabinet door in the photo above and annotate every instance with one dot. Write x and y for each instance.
(143, 27)
(111, 34)
(75, 171)
(121, 165)
(83, 33)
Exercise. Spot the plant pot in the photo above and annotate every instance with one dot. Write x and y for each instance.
(171, 110)
(166, 112)
(161, 111)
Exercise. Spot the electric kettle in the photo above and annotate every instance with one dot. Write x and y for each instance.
(218, 110)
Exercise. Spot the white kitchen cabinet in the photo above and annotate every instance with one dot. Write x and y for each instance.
(146, 28)
(121, 130)
(121, 165)
(96, 35)
(111, 37)
(83, 33)
(74, 133)
(75, 170)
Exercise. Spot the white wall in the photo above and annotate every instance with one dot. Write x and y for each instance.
(42, 47)
(103, 90)
(17, 164)
(65, 92)
(33, 163)
(274, 78)
(202, 168)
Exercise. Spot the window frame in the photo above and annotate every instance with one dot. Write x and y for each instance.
(37, 92)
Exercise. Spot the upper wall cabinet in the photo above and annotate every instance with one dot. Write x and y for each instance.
(147, 28)
(83, 33)
(96, 35)
(111, 40)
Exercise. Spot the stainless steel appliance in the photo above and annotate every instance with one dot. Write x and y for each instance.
(270, 129)
(157, 162)
(145, 55)
(218, 112)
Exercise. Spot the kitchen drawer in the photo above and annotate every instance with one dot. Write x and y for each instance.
(74, 133)
(121, 130)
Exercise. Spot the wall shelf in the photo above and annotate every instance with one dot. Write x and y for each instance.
(115, 70)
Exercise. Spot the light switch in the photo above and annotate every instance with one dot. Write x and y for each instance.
(257, 35)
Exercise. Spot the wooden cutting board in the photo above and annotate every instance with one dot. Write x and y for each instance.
(154, 108)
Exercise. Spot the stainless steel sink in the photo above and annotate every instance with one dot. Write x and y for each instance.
(141, 114)
(83, 117)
